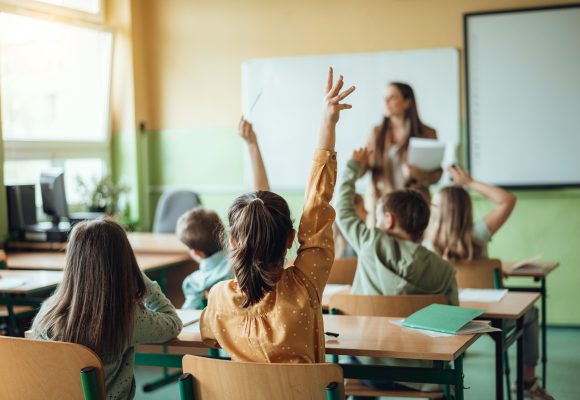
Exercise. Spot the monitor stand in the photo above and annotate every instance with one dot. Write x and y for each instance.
(46, 232)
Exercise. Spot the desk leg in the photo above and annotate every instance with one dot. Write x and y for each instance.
(520, 357)
(499, 338)
(459, 378)
(544, 338)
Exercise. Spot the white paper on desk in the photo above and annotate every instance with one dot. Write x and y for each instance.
(482, 295)
(188, 317)
(334, 288)
(192, 328)
(11, 283)
(426, 154)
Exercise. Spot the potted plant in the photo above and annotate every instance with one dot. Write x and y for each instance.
(102, 195)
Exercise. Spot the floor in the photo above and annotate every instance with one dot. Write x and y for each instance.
(563, 367)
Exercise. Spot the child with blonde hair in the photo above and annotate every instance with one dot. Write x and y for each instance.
(456, 237)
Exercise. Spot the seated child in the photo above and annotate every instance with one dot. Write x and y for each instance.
(457, 237)
(391, 260)
(106, 303)
(268, 313)
(202, 231)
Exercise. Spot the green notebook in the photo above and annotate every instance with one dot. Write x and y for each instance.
(442, 318)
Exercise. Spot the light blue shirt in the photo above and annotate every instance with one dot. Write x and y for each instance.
(213, 269)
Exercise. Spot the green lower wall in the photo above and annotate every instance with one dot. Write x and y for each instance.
(546, 222)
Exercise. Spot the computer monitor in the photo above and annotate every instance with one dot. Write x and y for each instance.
(53, 194)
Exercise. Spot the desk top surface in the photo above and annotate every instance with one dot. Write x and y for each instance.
(512, 306)
(369, 336)
(142, 242)
(54, 260)
(159, 243)
(540, 271)
(27, 282)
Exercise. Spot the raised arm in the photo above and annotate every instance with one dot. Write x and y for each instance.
(352, 227)
(316, 251)
(246, 131)
(504, 200)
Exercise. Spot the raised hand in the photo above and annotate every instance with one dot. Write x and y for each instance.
(361, 155)
(334, 96)
(246, 131)
(458, 175)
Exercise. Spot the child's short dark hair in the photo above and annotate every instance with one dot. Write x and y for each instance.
(201, 229)
(410, 210)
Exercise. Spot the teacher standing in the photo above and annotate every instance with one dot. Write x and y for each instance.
(389, 143)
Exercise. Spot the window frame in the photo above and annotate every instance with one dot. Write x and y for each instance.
(15, 150)
(52, 11)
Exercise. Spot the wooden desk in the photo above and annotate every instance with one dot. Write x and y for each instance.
(538, 275)
(363, 336)
(369, 336)
(142, 242)
(158, 243)
(512, 306)
(46, 260)
(35, 282)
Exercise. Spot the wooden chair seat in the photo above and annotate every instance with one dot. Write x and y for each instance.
(18, 310)
(354, 387)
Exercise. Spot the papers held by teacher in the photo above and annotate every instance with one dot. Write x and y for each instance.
(426, 154)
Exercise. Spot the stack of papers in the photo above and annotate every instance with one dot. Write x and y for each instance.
(470, 328)
(445, 319)
(426, 154)
(482, 295)
(529, 265)
(188, 317)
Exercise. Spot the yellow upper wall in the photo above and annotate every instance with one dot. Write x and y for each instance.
(193, 50)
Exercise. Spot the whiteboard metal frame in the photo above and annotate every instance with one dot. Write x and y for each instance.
(466, 17)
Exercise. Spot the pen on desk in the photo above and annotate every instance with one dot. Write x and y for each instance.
(331, 334)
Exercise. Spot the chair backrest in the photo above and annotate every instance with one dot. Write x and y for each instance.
(222, 379)
(40, 369)
(478, 274)
(342, 271)
(170, 207)
(400, 306)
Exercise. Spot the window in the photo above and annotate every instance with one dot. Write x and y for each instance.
(54, 91)
(90, 6)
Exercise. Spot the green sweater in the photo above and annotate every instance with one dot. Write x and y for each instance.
(155, 322)
(389, 266)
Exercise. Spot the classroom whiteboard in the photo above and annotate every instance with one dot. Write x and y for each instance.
(523, 96)
(287, 114)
